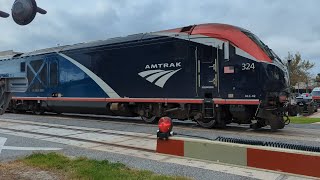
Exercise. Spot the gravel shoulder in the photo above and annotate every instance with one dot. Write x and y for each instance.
(315, 115)
(8, 171)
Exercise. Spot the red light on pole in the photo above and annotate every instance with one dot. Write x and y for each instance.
(24, 11)
(165, 128)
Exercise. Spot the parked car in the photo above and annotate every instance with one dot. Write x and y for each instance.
(293, 108)
(306, 103)
(316, 95)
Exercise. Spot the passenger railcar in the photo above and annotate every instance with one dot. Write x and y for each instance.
(214, 74)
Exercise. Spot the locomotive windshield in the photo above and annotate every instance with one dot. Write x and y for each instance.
(283, 75)
(263, 46)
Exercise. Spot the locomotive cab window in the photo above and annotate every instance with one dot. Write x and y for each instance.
(23, 66)
(256, 40)
(53, 74)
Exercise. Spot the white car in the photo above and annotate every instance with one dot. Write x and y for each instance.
(306, 96)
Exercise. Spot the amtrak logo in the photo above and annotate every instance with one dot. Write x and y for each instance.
(163, 65)
(158, 77)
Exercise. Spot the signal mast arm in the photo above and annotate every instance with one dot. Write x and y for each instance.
(4, 14)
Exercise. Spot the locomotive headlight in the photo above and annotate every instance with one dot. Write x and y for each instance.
(283, 98)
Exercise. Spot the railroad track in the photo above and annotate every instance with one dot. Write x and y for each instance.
(137, 141)
(138, 145)
(191, 128)
(114, 119)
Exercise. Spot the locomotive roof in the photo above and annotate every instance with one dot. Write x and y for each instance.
(9, 54)
(130, 38)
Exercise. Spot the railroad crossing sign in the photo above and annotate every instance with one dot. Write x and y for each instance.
(3, 140)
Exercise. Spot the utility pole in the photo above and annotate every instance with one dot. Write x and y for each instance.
(23, 13)
(289, 77)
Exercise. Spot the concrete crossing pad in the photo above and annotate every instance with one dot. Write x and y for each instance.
(138, 145)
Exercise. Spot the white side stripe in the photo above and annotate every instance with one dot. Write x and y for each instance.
(202, 39)
(104, 86)
(156, 76)
(242, 53)
(198, 38)
(162, 81)
(30, 148)
(2, 142)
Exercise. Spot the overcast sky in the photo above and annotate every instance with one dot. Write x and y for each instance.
(284, 25)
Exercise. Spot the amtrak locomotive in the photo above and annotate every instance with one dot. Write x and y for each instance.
(214, 74)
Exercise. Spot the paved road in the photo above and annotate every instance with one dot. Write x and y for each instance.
(134, 162)
(294, 134)
(22, 146)
(15, 146)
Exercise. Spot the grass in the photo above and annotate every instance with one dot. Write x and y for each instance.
(83, 168)
(304, 120)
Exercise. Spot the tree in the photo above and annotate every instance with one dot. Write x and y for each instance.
(299, 69)
(318, 79)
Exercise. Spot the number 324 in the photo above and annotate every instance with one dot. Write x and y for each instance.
(248, 66)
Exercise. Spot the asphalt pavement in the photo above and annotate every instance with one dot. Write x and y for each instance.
(15, 145)
(21, 147)
(290, 134)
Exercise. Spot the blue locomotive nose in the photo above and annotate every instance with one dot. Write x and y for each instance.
(276, 80)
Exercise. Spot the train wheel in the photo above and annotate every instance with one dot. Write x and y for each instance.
(256, 126)
(207, 123)
(19, 111)
(150, 120)
(38, 111)
(277, 124)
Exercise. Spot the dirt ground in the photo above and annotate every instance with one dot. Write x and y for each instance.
(18, 171)
(315, 115)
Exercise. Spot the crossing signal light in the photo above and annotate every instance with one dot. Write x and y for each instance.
(24, 11)
(165, 128)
